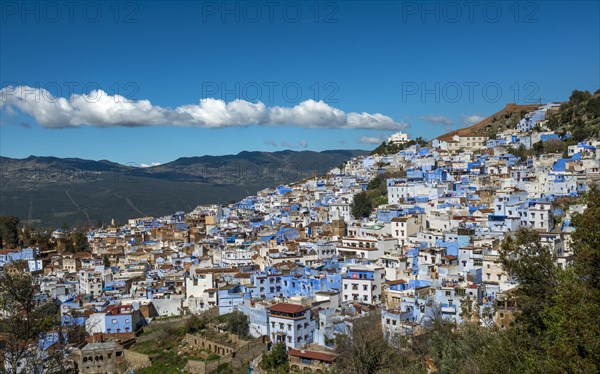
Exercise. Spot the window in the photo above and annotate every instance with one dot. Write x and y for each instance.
(114, 321)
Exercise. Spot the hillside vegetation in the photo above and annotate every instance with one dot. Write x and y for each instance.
(580, 116)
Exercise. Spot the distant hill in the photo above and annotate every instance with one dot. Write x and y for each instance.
(504, 119)
(50, 191)
(580, 116)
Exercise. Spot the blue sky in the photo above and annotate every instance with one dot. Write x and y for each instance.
(426, 67)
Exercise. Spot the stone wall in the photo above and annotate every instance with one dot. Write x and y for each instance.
(249, 351)
(202, 367)
(136, 360)
(197, 342)
(239, 357)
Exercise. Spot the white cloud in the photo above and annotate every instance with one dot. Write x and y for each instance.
(100, 109)
(370, 140)
(143, 165)
(270, 142)
(469, 120)
(437, 119)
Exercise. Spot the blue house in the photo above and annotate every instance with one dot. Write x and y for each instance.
(121, 318)
(228, 297)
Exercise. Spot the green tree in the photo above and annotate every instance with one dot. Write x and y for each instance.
(27, 236)
(9, 231)
(195, 324)
(586, 240)
(65, 228)
(276, 361)
(362, 206)
(577, 97)
(80, 242)
(238, 323)
(538, 147)
(380, 150)
(572, 342)
(533, 265)
(421, 141)
(520, 152)
(364, 350)
(23, 322)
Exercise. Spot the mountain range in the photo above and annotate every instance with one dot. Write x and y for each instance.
(50, 191)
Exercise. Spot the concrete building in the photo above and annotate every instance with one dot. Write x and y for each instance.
(363, 284)
(290, 324)
(100, 358)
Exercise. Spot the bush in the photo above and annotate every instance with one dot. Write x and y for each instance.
(195, 324)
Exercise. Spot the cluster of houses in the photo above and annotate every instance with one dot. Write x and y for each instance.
(296, 262)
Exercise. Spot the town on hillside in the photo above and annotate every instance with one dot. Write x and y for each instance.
(407, 238)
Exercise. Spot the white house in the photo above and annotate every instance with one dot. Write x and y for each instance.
(363, 284)
(290, 324)
(398, 138)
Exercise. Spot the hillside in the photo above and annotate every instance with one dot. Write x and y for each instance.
(504, 119)
(50, 191)
(580, 116)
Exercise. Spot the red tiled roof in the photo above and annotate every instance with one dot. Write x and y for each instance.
(322, 356)
(113, 310)
(287, 308)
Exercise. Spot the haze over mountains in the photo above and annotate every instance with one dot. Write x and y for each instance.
(50, 191)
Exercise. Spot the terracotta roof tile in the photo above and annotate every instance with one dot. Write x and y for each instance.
(287, 308)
